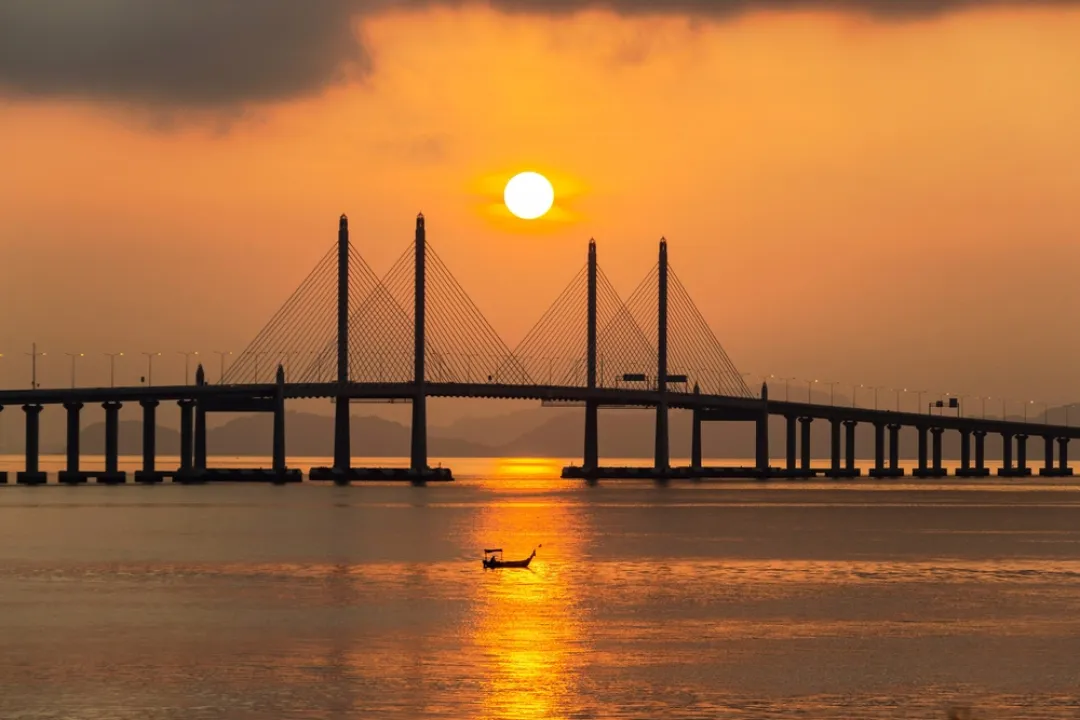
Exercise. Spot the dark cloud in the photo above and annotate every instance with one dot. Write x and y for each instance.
(177, 52)
(219, 53)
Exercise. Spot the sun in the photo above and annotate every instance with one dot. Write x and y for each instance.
(529, 195)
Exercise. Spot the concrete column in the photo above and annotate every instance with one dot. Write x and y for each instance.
(342, 451)
(71, 474)
(1021, 452)
(980, 449)
(762, 434)
(199, 443)
(1048, 459)
(1006, 451)
(278, 451)
(894, 447)
(791, 434)
(695, 440)
(1063, 453)
(805, 442)
(936, 434)
(879, 447)
(965, 450)
(186, 439)
(418, 448)
(834, 447)
(849, 444)
(922, 448)
(112, 444)
(661, 461)
(149, 473)
(33, 474)
(592, 408)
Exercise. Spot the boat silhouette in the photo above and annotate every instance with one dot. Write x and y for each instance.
(493, 560)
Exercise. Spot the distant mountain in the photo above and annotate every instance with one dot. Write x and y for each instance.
(499, 430)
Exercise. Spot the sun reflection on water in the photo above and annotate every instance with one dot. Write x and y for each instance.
(528, 629)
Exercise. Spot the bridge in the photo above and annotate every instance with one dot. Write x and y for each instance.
(346, 335)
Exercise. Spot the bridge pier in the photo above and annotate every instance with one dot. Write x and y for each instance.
(922, 471)
(70, 475)
(33, 474)
(695, 438)
(804, 447)
(849, 448)
(199, 451)
(761, 435)
(937, 469)
(966, 468)
(791, 437)
(3, 473)
(112, 474)
(880, 470)
(278, 452)
(1062, 469)
(186, 473)
(834, 449)
(980, 454)
(1021, 455)
(1008, 469)
(149, 475)
(894, 452)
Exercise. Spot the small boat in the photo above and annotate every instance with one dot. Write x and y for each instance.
(493, 559)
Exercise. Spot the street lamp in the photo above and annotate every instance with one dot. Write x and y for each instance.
(112, 367)
(222, 354)
(73, 356)
(875, 388)
(150, 367)
(918, 395)
(786, 386)
(187, 363)
(809, 384)
(832, 387)
(34, 354)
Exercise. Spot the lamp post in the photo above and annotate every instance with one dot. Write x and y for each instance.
(786, 380)
(112, 367)
(221, 354)
(897, 391)
(187, 363)
(809, 384)
(832, 388)
(73, 356)
(150, 367)
(34, 354)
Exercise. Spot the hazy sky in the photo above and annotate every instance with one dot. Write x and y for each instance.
(867, 192)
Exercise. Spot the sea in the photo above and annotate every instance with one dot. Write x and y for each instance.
(792, 599)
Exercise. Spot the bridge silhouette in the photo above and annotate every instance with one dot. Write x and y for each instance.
(349, 335)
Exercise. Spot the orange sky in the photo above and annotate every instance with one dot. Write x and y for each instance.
(846, 198)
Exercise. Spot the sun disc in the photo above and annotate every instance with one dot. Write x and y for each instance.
(529, 195)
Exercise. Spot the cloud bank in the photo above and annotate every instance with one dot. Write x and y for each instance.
(220, 53)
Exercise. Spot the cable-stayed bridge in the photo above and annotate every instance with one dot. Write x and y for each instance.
(349, 335)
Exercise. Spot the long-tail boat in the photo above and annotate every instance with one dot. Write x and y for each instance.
(493, 559)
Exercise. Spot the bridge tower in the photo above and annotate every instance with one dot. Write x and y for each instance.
(660, 455)
(419, 404)
(592, 406)
(342, 453)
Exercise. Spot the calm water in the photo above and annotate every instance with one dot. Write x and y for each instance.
(693, 601)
